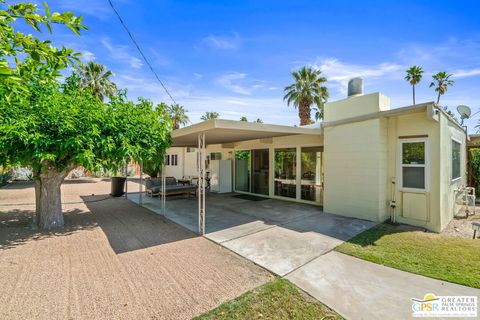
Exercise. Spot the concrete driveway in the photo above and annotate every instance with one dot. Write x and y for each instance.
(280, 236)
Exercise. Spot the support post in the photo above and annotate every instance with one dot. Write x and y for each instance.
(164, 180)
(126, 180)
(201, 183)
(141, 183)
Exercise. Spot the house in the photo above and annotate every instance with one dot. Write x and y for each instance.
(365, 160)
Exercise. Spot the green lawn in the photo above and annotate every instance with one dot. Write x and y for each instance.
(433, 255)
(278, 299)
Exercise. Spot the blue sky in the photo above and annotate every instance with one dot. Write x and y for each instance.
(235, 57)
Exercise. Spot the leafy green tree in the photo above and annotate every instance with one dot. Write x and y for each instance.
(53, 127)
(178, 114)
(23, 56)
(210, 115)
(258, 120)
(244, 119)
(414, 76)
(95, 77)
(307, 90)
(441, 82)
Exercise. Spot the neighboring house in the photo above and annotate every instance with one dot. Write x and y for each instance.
(365, 160)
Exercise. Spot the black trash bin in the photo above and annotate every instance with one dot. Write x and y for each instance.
(118, 186)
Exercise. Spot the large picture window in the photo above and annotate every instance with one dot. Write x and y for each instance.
(413, 164)
(456, 153)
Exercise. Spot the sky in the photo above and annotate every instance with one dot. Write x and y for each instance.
(235, 57)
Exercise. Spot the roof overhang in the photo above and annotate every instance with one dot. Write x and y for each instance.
(219, 131)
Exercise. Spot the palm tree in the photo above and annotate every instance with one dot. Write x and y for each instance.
(209, 115)
(97, 78)
(414, 76)
(308, 89)
(178, 115)
(244, 119)
(258, 120)
(441, 82)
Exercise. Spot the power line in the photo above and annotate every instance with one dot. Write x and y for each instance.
(140, 50)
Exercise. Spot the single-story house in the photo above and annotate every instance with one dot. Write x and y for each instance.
(365, 160)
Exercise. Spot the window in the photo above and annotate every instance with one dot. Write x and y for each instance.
(413, 164)
(216, 156)
(171, 160)
(191, 149)
(456, 153)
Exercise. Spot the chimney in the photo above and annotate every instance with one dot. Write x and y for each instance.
(355, 87)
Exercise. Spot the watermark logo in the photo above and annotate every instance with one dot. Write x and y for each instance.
(444, 306)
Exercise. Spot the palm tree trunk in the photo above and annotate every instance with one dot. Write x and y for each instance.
(413, 88)
(304, 113)
(438, 98)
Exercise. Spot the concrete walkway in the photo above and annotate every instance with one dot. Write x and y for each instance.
(358, 289)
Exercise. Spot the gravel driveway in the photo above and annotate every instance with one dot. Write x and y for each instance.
(113, 260)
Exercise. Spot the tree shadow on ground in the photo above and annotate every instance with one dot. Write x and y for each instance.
(15, 227)
(130, 227)
(372, 235)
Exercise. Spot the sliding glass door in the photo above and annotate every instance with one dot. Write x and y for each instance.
(252, 171)
(295, 176)
(286, 172)
(312, 174)
(260, 171)
(242, 170)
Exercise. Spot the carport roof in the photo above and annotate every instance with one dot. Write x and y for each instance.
(219, 131)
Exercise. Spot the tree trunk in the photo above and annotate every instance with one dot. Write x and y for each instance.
(304, 113)
(413, 88)
(38, 183)
(438, 98)
(49, 198)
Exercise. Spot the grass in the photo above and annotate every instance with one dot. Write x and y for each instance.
(433, 255)
(278, 299)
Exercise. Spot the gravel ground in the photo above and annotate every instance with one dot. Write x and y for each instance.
(113, 260)
(461, 226)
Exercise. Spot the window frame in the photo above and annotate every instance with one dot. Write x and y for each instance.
(171, 159)
(426, 165)
(454, 179)
(174, 160)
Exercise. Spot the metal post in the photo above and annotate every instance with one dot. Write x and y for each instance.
(126, 180)
(163, 190)
(201, 183)
(141, 185)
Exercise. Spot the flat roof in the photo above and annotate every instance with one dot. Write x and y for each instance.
(218, 131)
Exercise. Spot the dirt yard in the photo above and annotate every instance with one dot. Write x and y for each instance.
(461, 226)
(113, 260)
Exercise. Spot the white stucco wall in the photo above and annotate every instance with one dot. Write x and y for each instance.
(438, 200)
(448, 206)
(355, 170)
(356, 159)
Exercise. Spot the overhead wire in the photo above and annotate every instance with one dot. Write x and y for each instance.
(140, 50)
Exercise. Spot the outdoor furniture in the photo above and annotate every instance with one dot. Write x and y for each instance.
(171, 190)
(475, 227)
(154, 187)
(183, 181)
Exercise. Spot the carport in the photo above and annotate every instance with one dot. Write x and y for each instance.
(226, 133)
